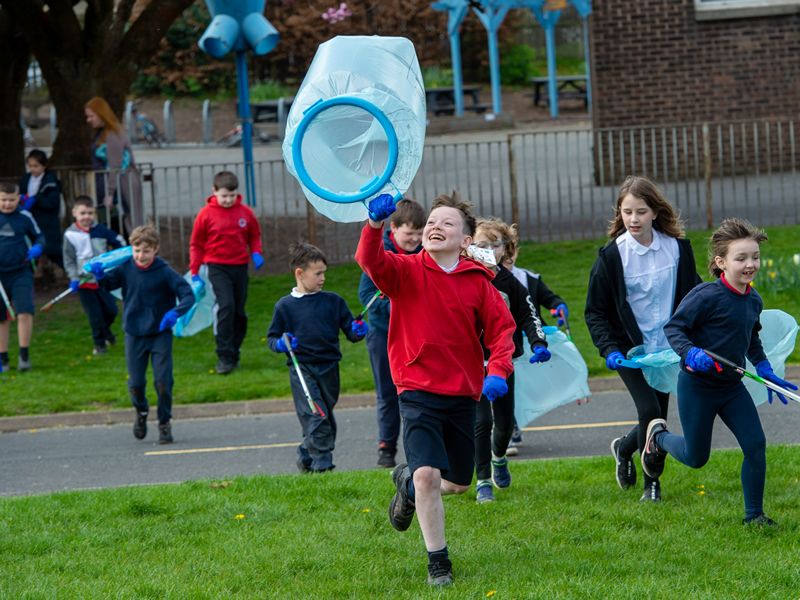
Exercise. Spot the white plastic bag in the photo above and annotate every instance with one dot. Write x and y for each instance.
(201, 315)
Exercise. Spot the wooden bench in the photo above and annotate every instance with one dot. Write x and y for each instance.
(442, 101)
(569, 87)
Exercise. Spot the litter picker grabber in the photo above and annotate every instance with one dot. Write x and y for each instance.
(364, 310)
(12, 316)
(315, 408)
(753, 376)
(564, 318)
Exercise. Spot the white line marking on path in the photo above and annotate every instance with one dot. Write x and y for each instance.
(221, 449)
(580, 426)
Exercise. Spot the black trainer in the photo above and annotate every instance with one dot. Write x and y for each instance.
(224, 367)
(761, 520)
(165, 433)
(653, 457)
(402, 507)
(140, 426)
(111, 339)
(626, 468)
(652, 492)
(440, 572)
(386, 455)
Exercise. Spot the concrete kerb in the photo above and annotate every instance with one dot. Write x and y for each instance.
(243, 407)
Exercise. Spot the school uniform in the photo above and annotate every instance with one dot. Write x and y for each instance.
(18, 231)
(435, 354)
(80, 247)
(45, 210)
(717, 317)
(315, 320)
(148, 294)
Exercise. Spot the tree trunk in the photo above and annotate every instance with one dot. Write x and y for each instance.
(14, 58)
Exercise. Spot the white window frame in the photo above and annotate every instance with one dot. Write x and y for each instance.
(708, 10)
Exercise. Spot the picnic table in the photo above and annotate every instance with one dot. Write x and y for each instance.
(568, 87)
(442, 100)
(271, 110)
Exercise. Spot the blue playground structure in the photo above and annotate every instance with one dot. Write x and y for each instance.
(491, 14)
(240, 25)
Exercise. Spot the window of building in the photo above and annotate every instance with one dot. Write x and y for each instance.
(707, 10)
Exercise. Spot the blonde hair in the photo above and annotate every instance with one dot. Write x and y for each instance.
(667, 220)
(101, 108)
(729, 231)
(500, 231)
(145, 234)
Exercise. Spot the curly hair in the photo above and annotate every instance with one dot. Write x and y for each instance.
(500, 231)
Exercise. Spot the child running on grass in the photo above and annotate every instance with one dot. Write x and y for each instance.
(311, 320)
(403, 237)
(723, 318)
(150, 289)
(494, 422)
(440, 304)
(84, 240)
(639, 278)
(21, 242)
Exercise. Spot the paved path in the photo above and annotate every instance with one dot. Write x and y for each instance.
(81, 457)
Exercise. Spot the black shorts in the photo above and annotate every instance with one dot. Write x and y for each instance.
(19, 287)
(439, 432)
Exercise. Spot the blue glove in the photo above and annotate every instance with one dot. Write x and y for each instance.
(74, 284)
(200, 283)
(764, 370)
(97, 270)
(27, 202)
(611, 360)
(169, 320)
(359, 328)
(258, 260)
(563, 313)
(281, 346)
(381, 207)
(699, 361)
(494, 387)
(34, 252)
(540, 354)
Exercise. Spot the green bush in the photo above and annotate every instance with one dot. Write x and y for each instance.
(434, 77)
(269, 90)
(517, 65)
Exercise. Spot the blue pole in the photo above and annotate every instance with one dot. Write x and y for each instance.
(494, 70)
(247, 126)
(550, 41)
(586, 58)
(458, 79)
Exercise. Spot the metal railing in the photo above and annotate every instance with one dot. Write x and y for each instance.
(556, 185)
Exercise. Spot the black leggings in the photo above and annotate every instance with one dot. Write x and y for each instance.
(650, 404)
(494, 424)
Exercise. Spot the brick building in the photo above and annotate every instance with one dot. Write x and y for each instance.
(686, 61)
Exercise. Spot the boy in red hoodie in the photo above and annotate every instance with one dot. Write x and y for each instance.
(226, 235)
(441, 302)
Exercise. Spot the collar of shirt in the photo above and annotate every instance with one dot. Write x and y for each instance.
(641, 249)
(297, 294)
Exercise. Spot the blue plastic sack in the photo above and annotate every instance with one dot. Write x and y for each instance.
(201, 315)
(356, 128)
(541, 387)
(778, 334)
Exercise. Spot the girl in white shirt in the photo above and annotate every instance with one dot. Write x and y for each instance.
(639, 278)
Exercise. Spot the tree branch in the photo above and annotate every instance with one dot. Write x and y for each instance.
(145, 33)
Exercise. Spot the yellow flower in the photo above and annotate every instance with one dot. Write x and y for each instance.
(700, 487)
(772, 274)
(365, 510)
(491, 593)
(769, 262)
(239, 517)
(702, 493)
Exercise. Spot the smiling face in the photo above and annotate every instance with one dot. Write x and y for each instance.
(84, 215)
(740, 263)
(638, 218)
(144, 254)
(310, 278)
(406, 237)
(443, 236)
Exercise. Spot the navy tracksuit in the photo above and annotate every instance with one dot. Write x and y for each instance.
(148, 294)
(315, 320)
(716, 317)
(18, 230)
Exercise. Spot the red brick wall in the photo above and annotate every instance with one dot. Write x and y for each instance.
(653, 63)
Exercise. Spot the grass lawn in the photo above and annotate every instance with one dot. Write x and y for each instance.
(66, 377)
(564, 530)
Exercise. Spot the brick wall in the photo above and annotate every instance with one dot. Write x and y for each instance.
(653, 63)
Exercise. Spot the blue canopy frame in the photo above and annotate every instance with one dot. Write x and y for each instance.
(491, 14)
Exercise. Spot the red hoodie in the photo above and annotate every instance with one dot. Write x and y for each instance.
(225, 236)
(437, 318)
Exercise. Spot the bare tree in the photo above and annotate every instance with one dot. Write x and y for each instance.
(88, 48)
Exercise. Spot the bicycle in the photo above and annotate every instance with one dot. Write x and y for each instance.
(145, 129)
(233, 137)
